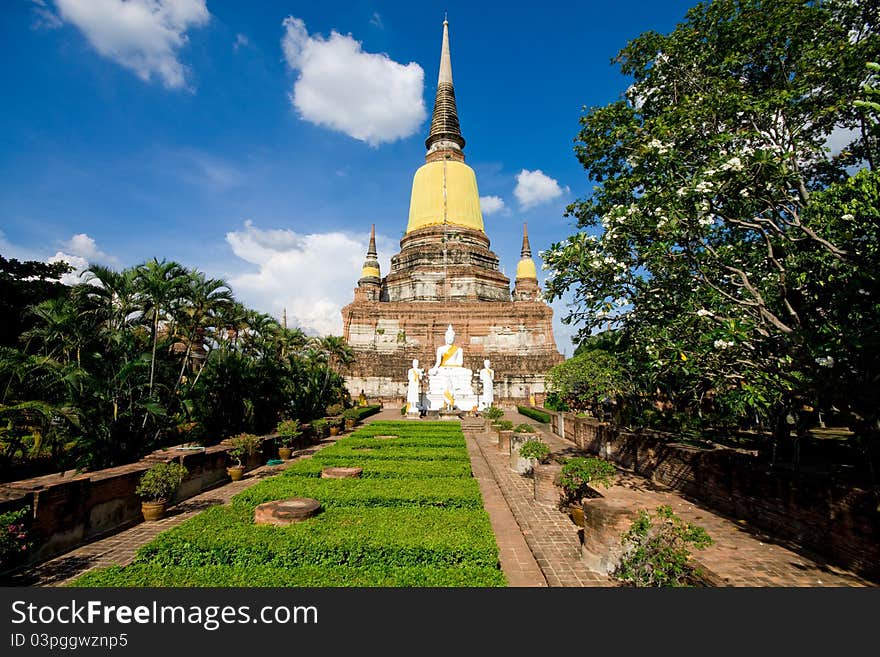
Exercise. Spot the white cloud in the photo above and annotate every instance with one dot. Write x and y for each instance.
(535, 187)
(85, 247)
(80, 251)
(142, 35)
(78, 263)
(311, 275)
(491, 204)
(367, 96)
(376, 21)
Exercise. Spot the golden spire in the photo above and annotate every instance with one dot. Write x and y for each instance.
(370, 271)
(526, 267)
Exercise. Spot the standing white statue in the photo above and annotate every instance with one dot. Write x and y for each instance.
(487, 378)
(414, 377)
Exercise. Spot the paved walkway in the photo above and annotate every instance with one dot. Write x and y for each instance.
(739, 557)
(539, 546)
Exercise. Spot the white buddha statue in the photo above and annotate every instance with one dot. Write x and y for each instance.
(449, 381)
(449, 354)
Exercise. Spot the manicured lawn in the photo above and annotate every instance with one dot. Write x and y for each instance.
(415, 519)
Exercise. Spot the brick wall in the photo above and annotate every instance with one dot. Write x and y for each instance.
(70, 508)
(838, 521)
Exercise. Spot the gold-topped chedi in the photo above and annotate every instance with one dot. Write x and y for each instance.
(445, 192)
(446, 273)
(526, 266)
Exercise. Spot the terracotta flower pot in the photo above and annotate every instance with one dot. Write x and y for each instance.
(334, 431)
(235, 472)
(284, 453)
(576, 513)
(154, 509)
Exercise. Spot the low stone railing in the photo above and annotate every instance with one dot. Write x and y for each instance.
(70, 508)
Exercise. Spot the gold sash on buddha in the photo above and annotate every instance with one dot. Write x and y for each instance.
(448, 354)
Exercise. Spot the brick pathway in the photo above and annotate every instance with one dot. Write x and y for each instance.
(539, 546)
(740, 556)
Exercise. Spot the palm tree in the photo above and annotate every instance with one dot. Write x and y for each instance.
(204, 301)
(158, 286)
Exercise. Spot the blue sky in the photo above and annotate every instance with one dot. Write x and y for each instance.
(258, 141)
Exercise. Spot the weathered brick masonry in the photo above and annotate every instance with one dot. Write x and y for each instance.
(838, 521)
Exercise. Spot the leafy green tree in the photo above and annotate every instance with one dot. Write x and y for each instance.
(23, 284)
(706, 220)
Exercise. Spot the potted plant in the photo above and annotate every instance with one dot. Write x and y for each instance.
(156, 487)
(242, 446)
(576, 477)
(334, 417)
(288, 431)
(536, 450)
(320, 427)
(505, 431)
(351, 416)
(335, 424)
(521, 433)
(493, 413)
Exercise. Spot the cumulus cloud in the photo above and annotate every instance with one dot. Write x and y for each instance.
(366, 96)
(311, 275)
(80, 251)
(491, 204)
(85, 247)
(141, 35)
(535, 187)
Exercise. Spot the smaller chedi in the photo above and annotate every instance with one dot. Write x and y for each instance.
(449, 383)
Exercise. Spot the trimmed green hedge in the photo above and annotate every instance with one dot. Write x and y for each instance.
(259, 575)
(534, 413)
(360, 412)
(335, 537)
(448, 492)
(384, 468)
(415, 518)
(356, 453)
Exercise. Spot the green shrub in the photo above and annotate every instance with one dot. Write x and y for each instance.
(657, 549)
(524, 428)
(259, 575)
(447, 493)
(535, 449)
(493, 413)
(534, 413)
(504, 425)
(383, 468)
(577, 473)
(376, 451)
(14, 542)
(336, 536)
(320, 427)
(335, 409)
(244, 445)
(288, 431)
(161, 481)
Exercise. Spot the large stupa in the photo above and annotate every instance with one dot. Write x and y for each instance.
(446, 274)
